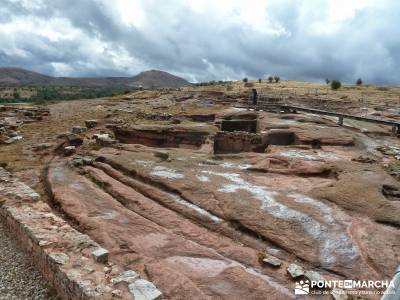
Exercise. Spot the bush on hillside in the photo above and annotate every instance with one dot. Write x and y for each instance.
(335, 84)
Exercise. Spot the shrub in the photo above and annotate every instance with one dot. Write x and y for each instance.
(277, 78)
(270, 79)
(229, 88)
(327, 81)
(249, 84)
(335, 84)
(359, 81)
(245, 80)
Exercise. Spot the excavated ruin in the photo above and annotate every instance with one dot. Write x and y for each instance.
(239, 205)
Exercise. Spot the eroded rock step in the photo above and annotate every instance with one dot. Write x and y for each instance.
(227, 195)
(165, 246)
(214, 235)
(329, 237)
(74, 264)
(181, 201)
(176, 203)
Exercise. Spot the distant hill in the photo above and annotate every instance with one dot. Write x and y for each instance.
(153, 78)
(159, 79)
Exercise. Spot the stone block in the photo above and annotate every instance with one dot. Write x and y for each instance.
(100, 255)
(144, 290)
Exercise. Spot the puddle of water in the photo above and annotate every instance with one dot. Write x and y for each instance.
(58, 174)
(341, 242)
(165, 172)
(203, 178)
(227, 165)
(199, 210)
(145, 163)
(110, 215)
(315, 156)
(234, 165)
(77, 186)
(332, 237)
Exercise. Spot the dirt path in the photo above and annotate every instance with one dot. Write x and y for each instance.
(19, 280)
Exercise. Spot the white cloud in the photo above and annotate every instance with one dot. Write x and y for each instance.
(205, 40)
(130, 11)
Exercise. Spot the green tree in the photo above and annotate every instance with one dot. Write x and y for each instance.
(245, 80)
(335, 84)
(277, 78)
(270, 79)
(16, 94)
(359, 81)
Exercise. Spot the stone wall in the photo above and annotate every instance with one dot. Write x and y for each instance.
(164, 136)
(72, 262)
(239, 125)
(236, 142)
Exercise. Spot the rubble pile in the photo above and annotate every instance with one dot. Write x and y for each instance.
(13, 117)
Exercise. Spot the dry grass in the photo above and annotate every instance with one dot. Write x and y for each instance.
(64, 115)
(368, 94)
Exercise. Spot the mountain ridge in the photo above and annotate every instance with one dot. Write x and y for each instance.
(12, 76)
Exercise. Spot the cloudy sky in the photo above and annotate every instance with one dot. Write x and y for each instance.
(205, 39)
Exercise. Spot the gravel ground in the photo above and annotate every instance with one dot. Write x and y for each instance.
(19, 280)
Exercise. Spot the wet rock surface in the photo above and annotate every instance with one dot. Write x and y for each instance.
(178, 208)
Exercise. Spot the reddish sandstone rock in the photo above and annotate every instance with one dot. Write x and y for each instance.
(324, 135)
(287, 219)
(295, 167)
(359, 188)
(136, 238)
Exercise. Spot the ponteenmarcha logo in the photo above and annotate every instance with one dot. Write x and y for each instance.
(302, 287)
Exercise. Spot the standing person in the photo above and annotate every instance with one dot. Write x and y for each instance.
(254, 96)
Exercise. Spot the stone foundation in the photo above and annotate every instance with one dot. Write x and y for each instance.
(239, 125)
(62, 254)
(165, 136)
(281, 137)
(236, 142)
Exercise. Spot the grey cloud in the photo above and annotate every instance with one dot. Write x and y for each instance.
(200, 46)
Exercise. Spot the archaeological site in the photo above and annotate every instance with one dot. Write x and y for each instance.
(202, 193)
(199, 150)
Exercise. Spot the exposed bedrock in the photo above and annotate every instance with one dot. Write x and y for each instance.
(143, 234)
(326, 233)
(282, 165)
(335, 136)
(360, 188)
